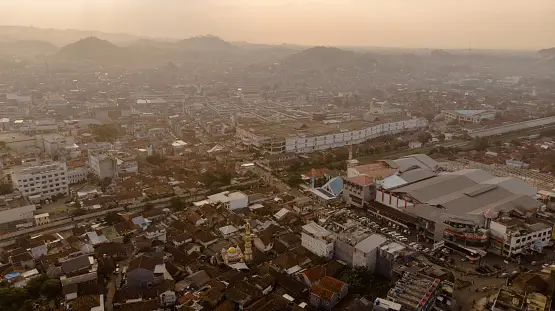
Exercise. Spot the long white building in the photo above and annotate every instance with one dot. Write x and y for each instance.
(43, 180)
(314, 136)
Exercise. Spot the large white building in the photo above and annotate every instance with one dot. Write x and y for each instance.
(318, 240)
(457, 207)
(232, 201)
(42, 181)
(474, 116)
(314, 136)
(511, 236)
(366, 251)
(101, 165)
(76, 172)
(112, 164)
(53, 143)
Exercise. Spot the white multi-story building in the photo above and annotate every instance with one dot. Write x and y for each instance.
(318, 240)
(42, 219)
(315, 136)
(54, 144)
(511, 236)
(101, 165)
(232, 201)
(112, 164)
(474, 116)
(76, 172)
(42, 181)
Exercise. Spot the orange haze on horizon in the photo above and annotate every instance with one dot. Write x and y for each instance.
(495, 24)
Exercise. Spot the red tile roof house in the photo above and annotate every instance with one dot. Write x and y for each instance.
(327, 293)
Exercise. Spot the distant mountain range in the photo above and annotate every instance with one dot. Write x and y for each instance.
(327, 57)
(27, 48)
(93, 49)
(549, 53)
(60, 37)
(203, 43)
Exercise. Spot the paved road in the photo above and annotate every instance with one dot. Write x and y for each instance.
(109, 303)
(276, 182)
(462, 144)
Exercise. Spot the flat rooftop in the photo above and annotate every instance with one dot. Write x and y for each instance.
(316, 230)
(311, 128)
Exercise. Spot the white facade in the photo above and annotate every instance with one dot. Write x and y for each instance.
(112, 164)
(341, 139)
(52, 144)
(101, 165)
(365, 252)
(77, 175)
(44, 180)
(318, 240)
(474, 116)
(18, 213)
(168, 298)
(515, 242)
(232, 200)
(307, 143)
(42, 219)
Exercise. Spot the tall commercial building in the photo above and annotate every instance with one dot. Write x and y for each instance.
(112, 164)
(42, 181)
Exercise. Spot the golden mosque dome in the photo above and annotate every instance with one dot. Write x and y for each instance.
(232, 250)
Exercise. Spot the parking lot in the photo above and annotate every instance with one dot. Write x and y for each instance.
(477, 281)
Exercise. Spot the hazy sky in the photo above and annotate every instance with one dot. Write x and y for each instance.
(521, 24)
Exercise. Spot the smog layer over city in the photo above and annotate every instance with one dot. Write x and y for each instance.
(277, 155)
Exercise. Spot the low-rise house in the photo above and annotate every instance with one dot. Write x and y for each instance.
(37, 249)
(117, 251)
(227, 231)
(205, 238)
(87, 303)
(77, 264)
(23, 260)
(144, 271)
(264, 242)
(327, 293)
(180, 239)
(154, 233)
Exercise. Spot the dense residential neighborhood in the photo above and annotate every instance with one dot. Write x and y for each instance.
(213, 175)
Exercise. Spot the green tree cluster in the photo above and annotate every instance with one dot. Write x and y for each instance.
(216, 179)
(481, 144)
(6, 188)
(26, 298)
(105, 132)
(155, 159)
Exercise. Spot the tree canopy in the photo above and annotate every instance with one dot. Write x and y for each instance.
(25, 298)
(105, 132)
(6, 189)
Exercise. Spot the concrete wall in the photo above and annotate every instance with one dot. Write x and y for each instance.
(344, 252)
